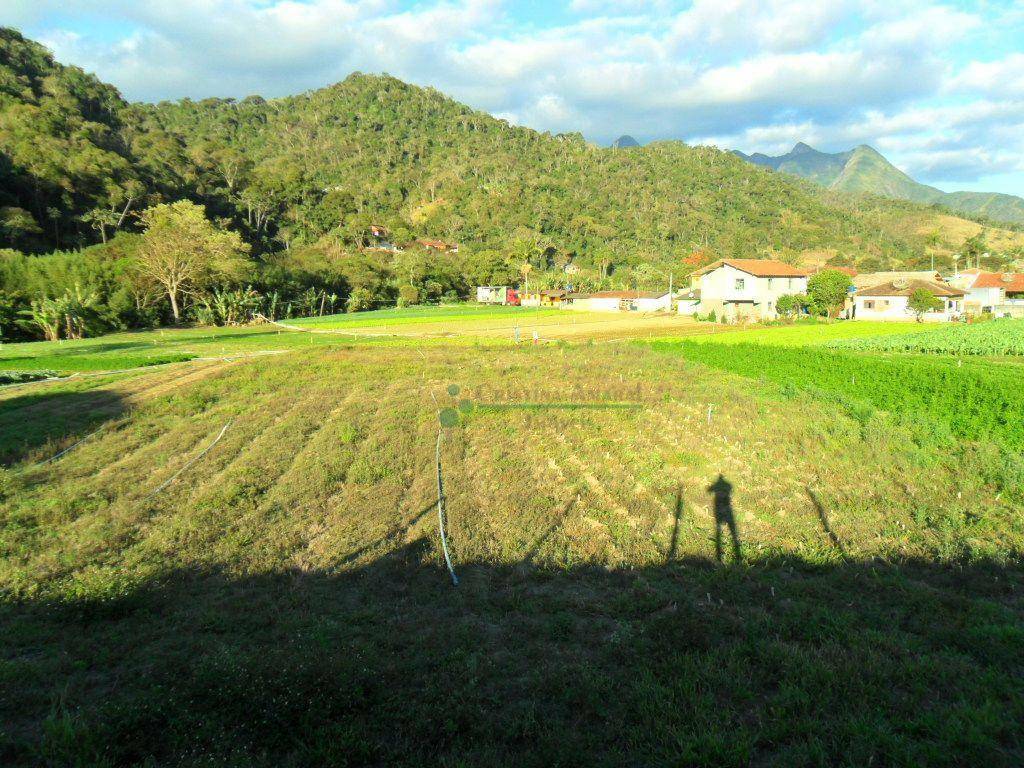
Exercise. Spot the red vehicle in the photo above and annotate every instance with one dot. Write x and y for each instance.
(512, 297)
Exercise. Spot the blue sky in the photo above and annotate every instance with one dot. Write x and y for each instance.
(936, 87)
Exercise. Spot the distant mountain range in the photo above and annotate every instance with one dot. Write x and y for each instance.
(624, 142)
(863, 169)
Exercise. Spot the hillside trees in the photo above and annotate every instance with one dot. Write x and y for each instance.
(184, 253)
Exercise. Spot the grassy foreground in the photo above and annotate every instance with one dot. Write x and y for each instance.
(787, 583)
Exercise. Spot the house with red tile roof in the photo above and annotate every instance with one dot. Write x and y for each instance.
(746, 289)
(438, 245)
(1001, 293)
(891, 301)
(619, 301)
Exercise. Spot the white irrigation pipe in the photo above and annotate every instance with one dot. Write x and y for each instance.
(69, 448)
(177, 474)
(338, 331)
(440, 508)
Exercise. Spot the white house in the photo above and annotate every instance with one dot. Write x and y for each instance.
(493, 294)
(619, 301)
(747, 289)
(688, 302)
(890, 301)
(997, 292)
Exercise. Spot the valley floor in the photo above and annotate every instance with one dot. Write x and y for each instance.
(664, 558)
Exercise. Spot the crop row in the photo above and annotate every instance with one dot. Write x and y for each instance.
(999, 337)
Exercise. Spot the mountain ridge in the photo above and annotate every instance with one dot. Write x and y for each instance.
(864, 169)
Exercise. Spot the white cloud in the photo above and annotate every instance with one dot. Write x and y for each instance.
(757, 75)
(1005, 76)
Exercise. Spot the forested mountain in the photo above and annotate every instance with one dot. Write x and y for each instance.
(327, 163)
(73, 163)
(308, 180)
(865, 170)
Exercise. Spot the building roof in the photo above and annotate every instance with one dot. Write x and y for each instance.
(618, 295)
(907, 287)
(439, 244)
(1008, 281)
(757, 267)
(849, 271)
(627, 294)
(693, 295)
(868, 279)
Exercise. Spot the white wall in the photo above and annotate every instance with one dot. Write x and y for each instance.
(896, 308)
(652, 305)
(593, 305)
(719, 285)
(688, 306)
(985, 297)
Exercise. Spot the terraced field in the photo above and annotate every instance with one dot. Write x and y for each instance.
(659, 563)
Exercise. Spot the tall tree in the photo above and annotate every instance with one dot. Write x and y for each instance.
(184, 252)
(828, 290)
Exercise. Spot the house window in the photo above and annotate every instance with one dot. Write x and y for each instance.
(769, 283)
(869, 305)
(739, 284)
(789, 282)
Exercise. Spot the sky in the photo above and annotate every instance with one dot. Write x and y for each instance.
(936, 87)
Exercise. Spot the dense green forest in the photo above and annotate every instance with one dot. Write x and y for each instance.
(300, 181)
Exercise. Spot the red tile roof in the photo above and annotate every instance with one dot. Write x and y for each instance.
(757, 267)
(627, 295)
(1008, 281)
(439, 244)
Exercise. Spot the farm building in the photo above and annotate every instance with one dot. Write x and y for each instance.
(439, 245)
(997, 292)
(497, 294)
(546, 298)
(688, 302)
(890, 301)
(619, 301)
(746, 289)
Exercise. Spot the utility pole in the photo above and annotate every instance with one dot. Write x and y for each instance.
(670, 276)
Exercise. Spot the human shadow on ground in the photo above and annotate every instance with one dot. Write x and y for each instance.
(775, 661)
(823, 519)
(725, 517)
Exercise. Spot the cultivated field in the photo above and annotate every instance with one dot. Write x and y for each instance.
(670, 553)
(420, 325)
(801, 334)
(995, 338)
(502, 322)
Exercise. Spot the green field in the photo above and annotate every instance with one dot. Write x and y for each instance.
(454, 314)
(998, 337)
(675, 553)
(806, 333)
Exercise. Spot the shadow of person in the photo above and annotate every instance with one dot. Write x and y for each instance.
(673, 548)
(721, 490)
(823, 519)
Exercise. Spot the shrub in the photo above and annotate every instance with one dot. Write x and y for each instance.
(408, 295)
